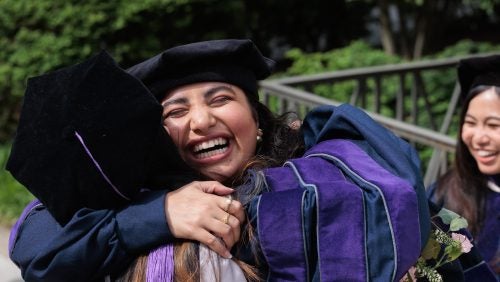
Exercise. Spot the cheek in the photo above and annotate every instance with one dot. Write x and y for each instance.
(249, 133)
(467, 135)
(175, 133)
(245, 129)
(495, 138)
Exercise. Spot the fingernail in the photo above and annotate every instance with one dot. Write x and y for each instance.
(229, 255)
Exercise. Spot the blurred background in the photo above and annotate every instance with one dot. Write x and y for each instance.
(304, 37)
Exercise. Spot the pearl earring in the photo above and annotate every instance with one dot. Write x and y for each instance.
(259, 135)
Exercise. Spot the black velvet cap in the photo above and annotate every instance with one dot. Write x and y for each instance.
(91, 135)
(234, 61)
(477, 71)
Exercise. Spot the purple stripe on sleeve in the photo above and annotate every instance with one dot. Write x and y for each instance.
(22, 217)
(99, 167)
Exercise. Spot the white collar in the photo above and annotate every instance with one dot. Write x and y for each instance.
(493, 186)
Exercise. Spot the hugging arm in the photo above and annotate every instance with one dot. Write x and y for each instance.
(96, 243)
(93, 244)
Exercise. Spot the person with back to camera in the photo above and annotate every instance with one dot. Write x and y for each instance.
(210, 109)
(471, 188)
(126, 113)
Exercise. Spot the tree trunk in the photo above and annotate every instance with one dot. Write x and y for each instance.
(418, 48)
(404, 35)
(385, 28)
(422, 19)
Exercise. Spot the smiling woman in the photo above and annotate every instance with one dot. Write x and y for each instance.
(471, 187)
(213, 126)
(481, 130)
(211, 110)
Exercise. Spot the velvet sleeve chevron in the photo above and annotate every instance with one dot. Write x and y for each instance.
(351, 209)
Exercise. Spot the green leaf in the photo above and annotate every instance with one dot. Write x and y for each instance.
(458, 223)
(447, 216)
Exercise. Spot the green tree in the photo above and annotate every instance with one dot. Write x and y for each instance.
(411, 28)
(41, 36)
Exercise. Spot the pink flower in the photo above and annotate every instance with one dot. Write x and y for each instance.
(464, 241)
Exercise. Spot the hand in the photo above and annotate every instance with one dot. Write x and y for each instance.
(197, 211)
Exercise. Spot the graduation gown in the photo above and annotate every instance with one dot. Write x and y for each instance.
(316, 220)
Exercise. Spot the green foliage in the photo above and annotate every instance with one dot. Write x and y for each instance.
(13, 196)
(358, 54)
(455, 221)
(439, 84)
(355, 55)
(41, 36)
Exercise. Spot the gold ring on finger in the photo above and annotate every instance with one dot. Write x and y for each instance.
(229, 200)
(226, 219)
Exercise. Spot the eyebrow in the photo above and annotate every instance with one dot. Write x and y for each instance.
(216, 89)
(175, 101)
(209, 93)
(497, 118)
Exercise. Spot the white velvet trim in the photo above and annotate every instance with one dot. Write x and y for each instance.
(216, 268)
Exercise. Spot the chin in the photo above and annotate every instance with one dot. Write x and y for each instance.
(489, 170)
(220, 177)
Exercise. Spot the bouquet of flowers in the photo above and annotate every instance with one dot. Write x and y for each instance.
(444, 246)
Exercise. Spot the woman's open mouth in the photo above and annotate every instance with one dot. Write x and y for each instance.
(485, 156)
(210, 148)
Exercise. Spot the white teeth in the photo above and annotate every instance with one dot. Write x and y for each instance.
(210, 144)
(484, 153)
(211, 153)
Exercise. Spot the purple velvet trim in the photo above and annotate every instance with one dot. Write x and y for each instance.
(280, 227)
(348, 249)
(340, 225)
(399, 196)
(99, 167)
(281, 240)
(22, 217)
(160, 267)
(281, 179)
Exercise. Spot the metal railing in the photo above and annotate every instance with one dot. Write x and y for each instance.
(296, 94)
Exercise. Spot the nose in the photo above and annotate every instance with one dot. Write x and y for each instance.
(201, 119)
(481, 136)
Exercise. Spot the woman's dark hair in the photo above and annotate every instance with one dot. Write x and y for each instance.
(464, 188)
(279, 141)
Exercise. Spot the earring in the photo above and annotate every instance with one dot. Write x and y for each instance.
(259, 135)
